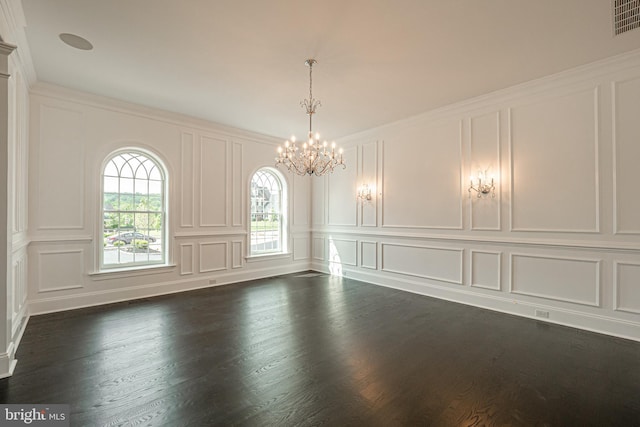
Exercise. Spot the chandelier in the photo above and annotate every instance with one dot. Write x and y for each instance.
(311, 157)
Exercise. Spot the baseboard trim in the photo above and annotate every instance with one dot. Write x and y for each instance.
(90, 299)
(8, 359)
(560, 316)
(8, 362)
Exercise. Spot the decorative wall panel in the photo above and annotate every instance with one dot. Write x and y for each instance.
(60, 270)
(626, 137)
(574, 280)
(187, 259)
(484, 148)
(301, 200)
(422, 177)
(60, 185)
(18, 294)
(237, 256)
(441, 264)
(187, 184)
(343, 252)
(213, 256)
(318, 248)
(369, 176)
(300, 248)
(554, 164)
(369, 255)
(237, 191)
(485, 269)
(318, 201)
(627, 287)
(342, 201)
(213, 182)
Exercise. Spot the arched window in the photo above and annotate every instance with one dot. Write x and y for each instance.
(268, 212)
(133, 210)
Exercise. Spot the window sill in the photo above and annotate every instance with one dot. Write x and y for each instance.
(268, 257)
(143, 270)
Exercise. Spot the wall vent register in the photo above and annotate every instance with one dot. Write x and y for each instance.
(626, 15)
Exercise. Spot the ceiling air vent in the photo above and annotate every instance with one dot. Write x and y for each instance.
(626, 15)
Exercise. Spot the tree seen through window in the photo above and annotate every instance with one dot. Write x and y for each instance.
(267, 212)
(133, 208)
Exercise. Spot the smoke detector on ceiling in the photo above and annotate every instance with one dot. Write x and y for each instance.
(626, 15)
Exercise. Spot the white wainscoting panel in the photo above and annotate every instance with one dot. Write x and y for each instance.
(485, 269)
(19, 163)
(237, 257)
(627, 287)
(484, 148)
(187, 259)
(19, 291)
(342, 251)
(369, 176)
(554, 164)
(300, 248)
(626, 137)
(188, 175)
(342, 200)
(213, 256)
(213, 182)
(574, 280)
(422, 177)
(237, 190)
(61, 143)
(441, 264)
(318, 248)
(369, 255)
(60, 270)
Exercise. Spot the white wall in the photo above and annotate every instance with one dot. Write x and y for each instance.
(17, 203)
(562, 235)
(14, 107)
(209, 168)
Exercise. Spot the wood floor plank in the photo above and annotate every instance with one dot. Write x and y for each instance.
(308, 351)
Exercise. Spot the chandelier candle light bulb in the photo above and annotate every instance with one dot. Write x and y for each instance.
(313, 159)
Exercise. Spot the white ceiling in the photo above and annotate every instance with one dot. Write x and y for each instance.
(241, 62)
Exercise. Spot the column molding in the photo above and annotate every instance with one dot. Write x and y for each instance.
(7, 346)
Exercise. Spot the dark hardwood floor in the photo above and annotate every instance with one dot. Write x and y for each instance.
(290, 351)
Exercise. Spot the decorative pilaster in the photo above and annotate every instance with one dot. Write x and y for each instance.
(7, 347)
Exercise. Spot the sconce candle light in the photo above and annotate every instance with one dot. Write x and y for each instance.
(482, 185)
(364, 192)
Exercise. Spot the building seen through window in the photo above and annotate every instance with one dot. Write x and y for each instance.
(268, 213)
(133, 210)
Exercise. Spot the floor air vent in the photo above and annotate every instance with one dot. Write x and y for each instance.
(626, 15)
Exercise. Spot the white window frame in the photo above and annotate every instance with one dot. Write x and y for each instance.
(284, 216)
(138, 265)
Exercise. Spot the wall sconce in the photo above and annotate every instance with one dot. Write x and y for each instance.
(364, 193)
(482, 185)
